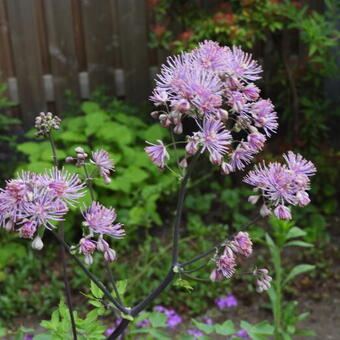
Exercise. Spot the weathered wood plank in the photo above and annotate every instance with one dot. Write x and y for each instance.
(62, 50)
(6, 66)
(27, 58)
(133, 34)
(99, 45)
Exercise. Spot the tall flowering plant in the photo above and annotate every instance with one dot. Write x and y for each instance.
(214, 87)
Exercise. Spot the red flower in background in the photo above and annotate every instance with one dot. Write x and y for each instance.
(186, 35)
(226, 19)
(159, 30)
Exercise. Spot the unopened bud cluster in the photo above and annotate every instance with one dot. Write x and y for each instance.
(46, 122)
(79, 161)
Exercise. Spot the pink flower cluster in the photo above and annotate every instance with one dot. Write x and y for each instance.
(237, 249)
(32, 200)
(214, 86)
(282, 184)
(100, 220)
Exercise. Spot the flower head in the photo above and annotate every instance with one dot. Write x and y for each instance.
(242, 244)
(104, 163)
(226, 302)
(226, 263)
(215, 138)
(100, 220)
(157, 153)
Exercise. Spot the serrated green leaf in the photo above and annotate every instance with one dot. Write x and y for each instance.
(183, 284)
(207, 329)
(226, 328)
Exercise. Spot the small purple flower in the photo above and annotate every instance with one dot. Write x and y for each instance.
(242, 333)
(157, 153)
(240, 157)
(226, 302)
(242, 244)
(28, 229)
(226, 263)
(104, 163)
(101, 221)
(28, 337)
(143, 323)
(282, 212)
(281, 184)
(195, 333)
(215, 139)
(173, 319)
(262, 280)
(264, 115)
(242, 66)
(64, 185)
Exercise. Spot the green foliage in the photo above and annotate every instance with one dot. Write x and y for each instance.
(286, 234)
(8, 158)
(59, 326)
(136, 186)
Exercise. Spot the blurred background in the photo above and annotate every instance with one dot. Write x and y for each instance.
(93, 64)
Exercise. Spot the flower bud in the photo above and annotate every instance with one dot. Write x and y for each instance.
(88, 259)
(69, 159)
(154, 114)
(216, 276)
(110, 255)
(9, 226)
(37, 243)
(226, 168)
(102, 245)
(79, 150)
(253, 199)
(265, 211)
(178, 129)
(183, 163)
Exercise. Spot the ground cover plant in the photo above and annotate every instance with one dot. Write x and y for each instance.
(212, 86)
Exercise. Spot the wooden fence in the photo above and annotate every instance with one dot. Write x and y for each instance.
(50, 46)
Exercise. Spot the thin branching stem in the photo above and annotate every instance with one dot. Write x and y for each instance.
(63, 255)
(90, 275)
(171, 273)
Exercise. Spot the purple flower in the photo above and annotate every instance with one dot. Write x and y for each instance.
(211, 56)
(241, 156)
(64, 185)
(87, 246)
(195, 333)
(237, 101)
(262, 280)
(104, 163)
(173, 319)
(242, 244)
(299, 165)
(43, 208)
(215, 139)
(226, 302)
(281, 184)
(226, 263)
(242, 333)
(28, 337)
(256, 141)
(251, 92)
(157, 153)
(100, 220)
(28, 229)
(143, 323)
(264, 115)
(242, 66)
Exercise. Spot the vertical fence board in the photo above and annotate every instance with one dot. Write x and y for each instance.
(133, 32)
(24, 38)
(6, 67)
(99, 43)
(61, 44)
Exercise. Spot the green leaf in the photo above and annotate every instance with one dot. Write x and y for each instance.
(153, 133)
(259, 331)
(299, 244)
(299, 269)
(226, 328)
(204, 327)
(121, 286)
(183, 284)
(127, 317)
(158, 319)
(295, 232)
(44, 336)
(96, 291)
(72, 136)
(156, 333)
